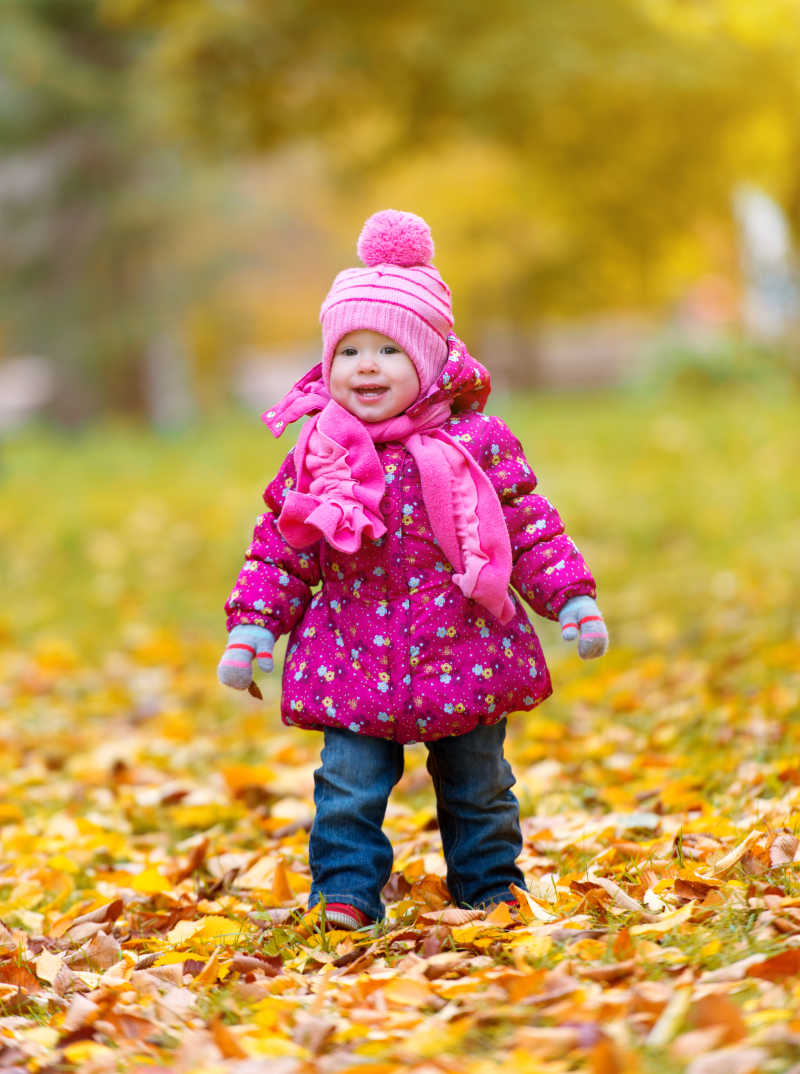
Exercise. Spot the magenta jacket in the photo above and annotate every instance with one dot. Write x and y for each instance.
(389, 646)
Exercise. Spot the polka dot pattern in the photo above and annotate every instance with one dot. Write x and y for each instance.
(388, 646)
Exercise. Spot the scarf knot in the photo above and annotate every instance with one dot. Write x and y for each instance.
(340, 485)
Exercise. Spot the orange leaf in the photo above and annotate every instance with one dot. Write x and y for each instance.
(501, 915)
(529, 908)
(720, 1012)
(226, 1041)
(281, 892)
(785, 964)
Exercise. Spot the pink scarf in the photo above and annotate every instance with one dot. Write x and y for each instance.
(340, 484)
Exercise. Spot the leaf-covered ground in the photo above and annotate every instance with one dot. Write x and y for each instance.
(153, 827)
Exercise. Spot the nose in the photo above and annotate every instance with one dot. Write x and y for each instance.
(367, 360)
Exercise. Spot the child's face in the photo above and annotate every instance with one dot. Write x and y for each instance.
(372, 376)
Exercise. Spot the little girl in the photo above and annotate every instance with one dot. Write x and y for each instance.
(417, 513)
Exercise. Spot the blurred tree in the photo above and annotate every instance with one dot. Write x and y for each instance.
(619, 129)
(570, 156)
(94, 208)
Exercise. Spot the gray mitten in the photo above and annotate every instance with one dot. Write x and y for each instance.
(244, 644)
(581, 618)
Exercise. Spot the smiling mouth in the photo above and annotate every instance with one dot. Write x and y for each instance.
(370, 391)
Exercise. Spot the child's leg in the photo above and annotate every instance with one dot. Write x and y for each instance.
(350, 857)
(478, 814)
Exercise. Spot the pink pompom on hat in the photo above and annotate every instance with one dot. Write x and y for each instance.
(398, 293)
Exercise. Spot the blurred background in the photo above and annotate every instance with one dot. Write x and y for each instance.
(614, 191)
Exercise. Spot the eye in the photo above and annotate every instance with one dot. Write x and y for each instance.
(389, 348)
(348, 352)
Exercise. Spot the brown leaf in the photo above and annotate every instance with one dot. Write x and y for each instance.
(783, 850)
(778, 967)
(753, 864)
(619, 897)
(729, 1061)
(614, 971)
(312, 1032)
(193, 863)
(7, 941)
(651, 996)
(99, 953)
(128, 1026)
(270, 965)
(85, 931)
(695, 1042)
(692, 889)
(435, 940)
(445, 962)
(101, 916)
(717, 1010)
(18, 974)
(254, 690)
(82, 1012)
(396, 888)
(453, 915)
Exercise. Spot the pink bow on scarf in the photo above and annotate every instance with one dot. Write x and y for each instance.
(340, 484)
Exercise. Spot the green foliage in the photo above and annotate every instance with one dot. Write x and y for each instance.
(122, 526)
(570, 157)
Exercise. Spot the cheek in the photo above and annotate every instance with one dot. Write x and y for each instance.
(410, 385)
(336, 383)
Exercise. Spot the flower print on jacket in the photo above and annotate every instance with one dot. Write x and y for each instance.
(389, 646)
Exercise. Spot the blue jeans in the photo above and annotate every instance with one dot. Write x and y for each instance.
(351, 858)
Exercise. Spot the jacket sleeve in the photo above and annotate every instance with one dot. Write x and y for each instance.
(548, 568)
(274, 585)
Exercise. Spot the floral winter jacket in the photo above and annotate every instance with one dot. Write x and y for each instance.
(389, 646)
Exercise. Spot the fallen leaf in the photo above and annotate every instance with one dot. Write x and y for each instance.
(783, 850)
(664, 924)
(718, 1011)
(729, 1061)
(732, 857)
(529, 908)
(777, 967)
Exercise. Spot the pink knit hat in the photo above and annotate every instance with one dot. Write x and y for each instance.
(399, 294)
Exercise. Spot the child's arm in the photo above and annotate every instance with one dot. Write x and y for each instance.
(549, 571)
(274, 586)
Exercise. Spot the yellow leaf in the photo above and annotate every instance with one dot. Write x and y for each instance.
(213, 970)
(733, 856)
(171, 957)
(532, 947)
(711, 947)
(215, 928)
(666, 923)
(407, 991)
(181, 932)
(63, 863)
(88, 1051)
(45, 1036)
(468, 933)
(150, 882)
(54, 654)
